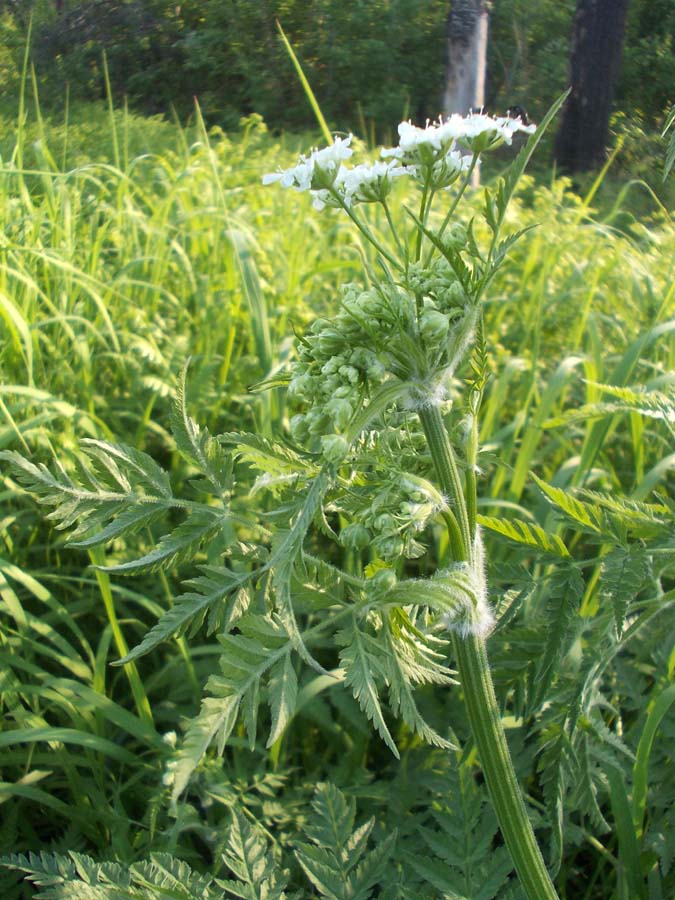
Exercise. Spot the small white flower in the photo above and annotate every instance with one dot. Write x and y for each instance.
(420, 145)
(484, 132)
(427, 146)
(368, 183)
(316, 172)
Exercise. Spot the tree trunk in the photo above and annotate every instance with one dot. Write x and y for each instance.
(597, 42)
(467, 34)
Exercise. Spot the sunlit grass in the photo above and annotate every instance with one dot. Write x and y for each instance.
(128, 246)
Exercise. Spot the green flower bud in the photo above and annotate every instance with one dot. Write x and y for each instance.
(350, 373)
(334, 447)
(355, 536)
(390, 547)
(385, 523)
(433, 326)
(454, 295)
(340, 410)
(320, 423)
(299, 429)
(384, 579)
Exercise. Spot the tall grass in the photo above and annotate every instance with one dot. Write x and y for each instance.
(128, 246)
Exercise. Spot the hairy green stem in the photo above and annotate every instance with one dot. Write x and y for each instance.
(479, 695)
(505, 793)
(450, 480)
(471, 463)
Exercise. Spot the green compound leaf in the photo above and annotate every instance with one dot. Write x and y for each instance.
(78, 877)
(283, 696)
(218, 593)
(246, 659)
(177, 547)
(248, 857)
(337, 862)
(197, 445)
(582, 514)
(564, 594)
(528, 534)
(624, 573)
(361, 657)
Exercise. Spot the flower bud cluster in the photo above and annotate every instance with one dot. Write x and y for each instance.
(437, 282)
(337, 365)
(386, 330)
(390, 518)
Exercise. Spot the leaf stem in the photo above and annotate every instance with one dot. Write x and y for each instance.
(367, 233)
(479, 695)
(455, 203)
(392, 228)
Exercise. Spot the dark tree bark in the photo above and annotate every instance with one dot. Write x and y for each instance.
(597, 42)
(467, 34)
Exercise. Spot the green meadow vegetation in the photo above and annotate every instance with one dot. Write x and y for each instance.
(153, 296)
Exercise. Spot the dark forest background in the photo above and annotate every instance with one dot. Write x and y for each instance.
(370, 63)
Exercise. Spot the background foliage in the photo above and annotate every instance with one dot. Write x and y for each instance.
(370, 63)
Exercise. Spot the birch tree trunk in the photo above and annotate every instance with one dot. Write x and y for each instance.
(467, 34)
(597, 42)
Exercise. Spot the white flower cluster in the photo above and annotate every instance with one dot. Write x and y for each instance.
(477, 131)
(362, 184)
(430, 155)
(332, 184)
(317, 171)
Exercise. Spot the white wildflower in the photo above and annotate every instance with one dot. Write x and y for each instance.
(428, 146)
(317, 172)
(369, 183)
(483, 132)
(420, 145)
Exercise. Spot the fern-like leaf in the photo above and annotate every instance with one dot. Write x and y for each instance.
(78, 877)
(198, 447)
(337, 862)
(464, 862)
(582, 514)
(176, 547)
(248, 857)
(218, 592)
(564, 593)
(623, 575)
(361, 657)
(528, 534)
(245, 661)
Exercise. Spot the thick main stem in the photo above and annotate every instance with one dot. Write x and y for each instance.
(479, 694)
(505, 793)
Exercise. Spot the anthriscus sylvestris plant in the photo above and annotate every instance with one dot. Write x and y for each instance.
(367, 463)
(375, 380)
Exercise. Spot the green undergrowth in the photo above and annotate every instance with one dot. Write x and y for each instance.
(127, 247)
